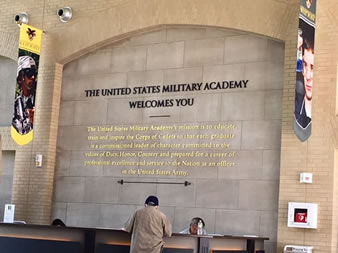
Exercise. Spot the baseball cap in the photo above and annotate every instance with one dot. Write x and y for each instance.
(152, 201)
(25, 62)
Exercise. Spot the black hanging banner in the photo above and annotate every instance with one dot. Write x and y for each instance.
(305, 66)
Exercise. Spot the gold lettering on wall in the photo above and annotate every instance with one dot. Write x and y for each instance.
(161, 150)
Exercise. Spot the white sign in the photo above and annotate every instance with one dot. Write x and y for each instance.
(305, 178)
(9, 213)
(38, 160)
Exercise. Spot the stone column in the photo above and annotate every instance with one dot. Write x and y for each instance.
(32, 186)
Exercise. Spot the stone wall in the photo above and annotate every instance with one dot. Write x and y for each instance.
(7, 84)
(6, 179)
(236, 192)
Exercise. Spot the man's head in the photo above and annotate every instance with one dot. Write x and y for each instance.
(308, 3)
(58, 222)
(194, 225)
(26, 73)
(152, 201)
(308, 63)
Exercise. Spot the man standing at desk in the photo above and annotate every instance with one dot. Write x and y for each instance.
(148, 226)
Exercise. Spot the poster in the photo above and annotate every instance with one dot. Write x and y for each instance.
(305, 67)
(26, 84)
(9, 213)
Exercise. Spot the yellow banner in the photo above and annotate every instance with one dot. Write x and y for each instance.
(26, 84)
(30, 39)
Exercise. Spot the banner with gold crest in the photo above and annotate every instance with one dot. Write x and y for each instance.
(26, 84)
(305, 66)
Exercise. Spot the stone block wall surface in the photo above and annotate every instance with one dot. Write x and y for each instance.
(6, 179)
(227, 197)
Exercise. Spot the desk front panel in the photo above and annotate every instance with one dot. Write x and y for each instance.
(16, 245)
(88, 240)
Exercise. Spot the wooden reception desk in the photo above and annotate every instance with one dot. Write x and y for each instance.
(17, 238)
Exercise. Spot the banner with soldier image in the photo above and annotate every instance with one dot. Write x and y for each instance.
(26, 81)
(305, 66)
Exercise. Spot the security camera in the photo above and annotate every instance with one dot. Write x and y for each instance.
(21, 18)
(65, 14)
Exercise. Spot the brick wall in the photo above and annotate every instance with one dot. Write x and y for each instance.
(317, 154)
